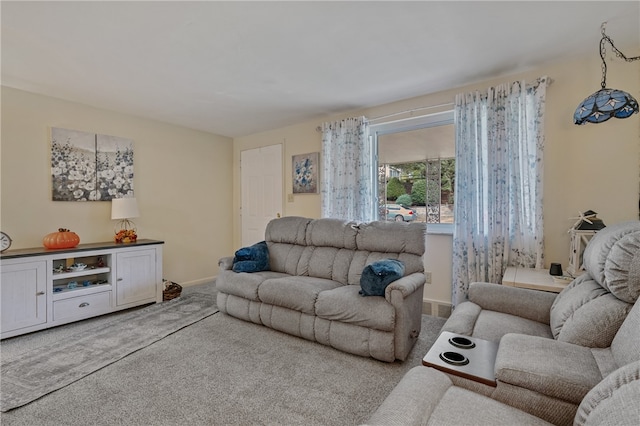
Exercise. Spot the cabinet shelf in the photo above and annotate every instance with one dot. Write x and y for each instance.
(83, 273)
(80, 291)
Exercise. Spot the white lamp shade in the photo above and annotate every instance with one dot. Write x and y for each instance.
(124, 208)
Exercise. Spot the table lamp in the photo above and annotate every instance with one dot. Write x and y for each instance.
(123, 209)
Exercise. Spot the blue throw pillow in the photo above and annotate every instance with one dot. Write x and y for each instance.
(252, 259)
(378, 275)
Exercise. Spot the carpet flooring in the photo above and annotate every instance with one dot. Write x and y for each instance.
(51, 367)
(224, 371)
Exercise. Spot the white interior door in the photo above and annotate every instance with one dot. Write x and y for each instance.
(261, 186)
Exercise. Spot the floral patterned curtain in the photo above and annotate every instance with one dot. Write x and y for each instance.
(498, 195)
(346, 179)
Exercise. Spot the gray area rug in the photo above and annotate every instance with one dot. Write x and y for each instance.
(56, 365)
(224, 371)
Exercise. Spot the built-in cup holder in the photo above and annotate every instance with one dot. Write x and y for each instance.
(462, 342)
(454, 358)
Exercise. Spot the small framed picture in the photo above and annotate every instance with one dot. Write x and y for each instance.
(305, 173)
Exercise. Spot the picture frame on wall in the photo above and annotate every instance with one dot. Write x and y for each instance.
(305, 173)
(89, 166)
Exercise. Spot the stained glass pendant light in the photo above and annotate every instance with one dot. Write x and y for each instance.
(606, 103)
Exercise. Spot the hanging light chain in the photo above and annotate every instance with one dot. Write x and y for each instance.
(619, 54)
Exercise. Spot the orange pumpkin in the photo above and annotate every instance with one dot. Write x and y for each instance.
(61, 239)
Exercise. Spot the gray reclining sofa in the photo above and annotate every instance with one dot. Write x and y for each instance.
(312, 285)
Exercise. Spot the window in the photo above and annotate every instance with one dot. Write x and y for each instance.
(416, 170)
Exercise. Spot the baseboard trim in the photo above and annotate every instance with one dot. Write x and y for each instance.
(436, 308)
(198, 281)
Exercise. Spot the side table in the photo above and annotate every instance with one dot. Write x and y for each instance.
(535, 279)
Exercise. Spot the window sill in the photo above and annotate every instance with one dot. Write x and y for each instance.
(440, 228)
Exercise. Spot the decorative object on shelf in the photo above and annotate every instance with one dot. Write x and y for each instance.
(305, 173)
(578, 243)
(606, 103)
(556, 269)
(563, 280)
(77, 267)
(5, 241)
(102, 166)
(61, 239)
(171, 290)
(587, 221)
(124, 209)
(585, 227)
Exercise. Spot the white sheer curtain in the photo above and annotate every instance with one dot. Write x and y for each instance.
(346, 178)
(498, 194)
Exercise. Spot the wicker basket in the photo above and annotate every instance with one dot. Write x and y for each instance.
(171, 290)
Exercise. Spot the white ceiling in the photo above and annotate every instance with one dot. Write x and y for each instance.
(236, 68)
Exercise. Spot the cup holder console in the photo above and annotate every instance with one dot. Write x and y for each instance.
(454, 358)
(464, 356)
(462, 342)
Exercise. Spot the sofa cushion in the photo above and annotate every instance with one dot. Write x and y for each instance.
(426, 396)
(546, 366)
(252, 259)
(586, 314)
(289, 230)
(285, 257)
(613, 401)
(394, 237)
(331, 263)
(345, 305)
(492, 325)
(243, 284)
(622, 268)
(295, 292)
(625, 347)
(331, 233)
(599, 250)
(378, 275)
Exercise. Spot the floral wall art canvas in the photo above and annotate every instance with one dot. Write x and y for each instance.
(90, 167)
(305, 173)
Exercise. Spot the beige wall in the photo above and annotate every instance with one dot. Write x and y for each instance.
(188, 182)
(182, 183)
(586, 167)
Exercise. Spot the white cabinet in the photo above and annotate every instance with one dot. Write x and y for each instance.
(23, 298)
(134, 270)
(43, 288)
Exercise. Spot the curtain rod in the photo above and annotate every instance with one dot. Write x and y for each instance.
(549, 81)
(319, 128)
(410, 111)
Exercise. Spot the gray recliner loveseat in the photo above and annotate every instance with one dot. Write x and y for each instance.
(554, 348)
(311, 289)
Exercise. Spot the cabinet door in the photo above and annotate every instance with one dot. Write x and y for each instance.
(135, 276)
(23, 297)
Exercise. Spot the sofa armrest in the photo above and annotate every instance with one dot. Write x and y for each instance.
(530, 304)
(414, 399)
(557, 369)
(406, 285)
(226, 263)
